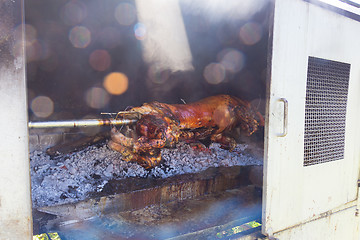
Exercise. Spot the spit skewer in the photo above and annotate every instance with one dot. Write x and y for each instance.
(132, 118)
(81, 123)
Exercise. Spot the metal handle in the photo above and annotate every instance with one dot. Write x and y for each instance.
(285, 127)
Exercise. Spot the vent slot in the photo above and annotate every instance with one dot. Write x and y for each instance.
(325, 110)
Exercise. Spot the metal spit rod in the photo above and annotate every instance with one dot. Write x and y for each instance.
(81, 123)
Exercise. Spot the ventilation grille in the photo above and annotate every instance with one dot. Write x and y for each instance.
(325, 110)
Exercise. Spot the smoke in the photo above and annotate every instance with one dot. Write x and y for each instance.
(219, 10)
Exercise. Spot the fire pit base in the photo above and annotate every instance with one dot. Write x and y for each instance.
(214, 216)
(186, 203)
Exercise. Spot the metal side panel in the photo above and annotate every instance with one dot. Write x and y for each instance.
(335, 226)
(312, 149)
(15, 197)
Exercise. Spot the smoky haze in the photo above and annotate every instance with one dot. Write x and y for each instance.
(87, 57)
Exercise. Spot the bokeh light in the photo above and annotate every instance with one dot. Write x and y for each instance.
(33, 51)
(125, 14)
(73, 13)
(42, 106)
(232, 60)
(38, 50)
(29, 29)
(96, 97)
(80, 36)
(140, 31)
(250, 33)
(116, 83)
(100, 60)
(35, 48)
(214, 73)
(30, 33)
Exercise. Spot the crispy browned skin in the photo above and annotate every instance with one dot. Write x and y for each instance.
(163, 125)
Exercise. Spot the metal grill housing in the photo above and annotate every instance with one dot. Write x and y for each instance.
(325, 110)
